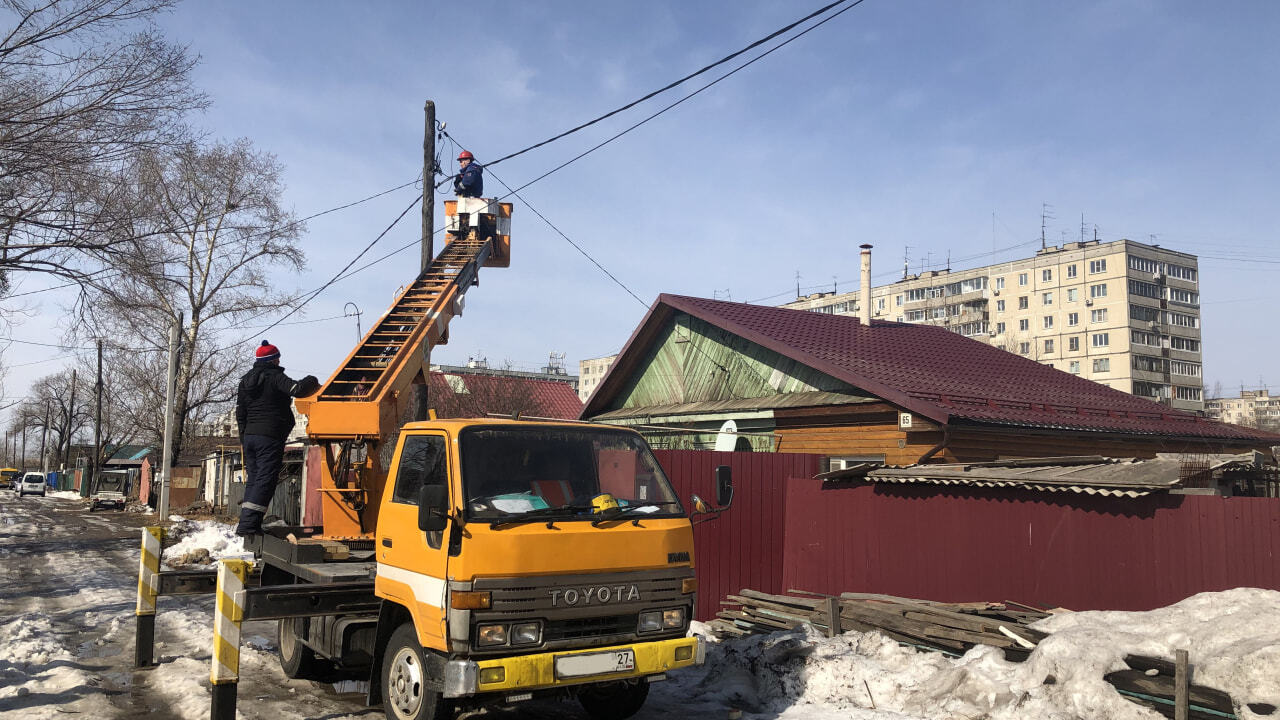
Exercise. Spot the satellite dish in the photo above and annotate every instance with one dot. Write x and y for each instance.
(728, 436)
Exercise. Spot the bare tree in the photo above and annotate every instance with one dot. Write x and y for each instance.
(51, 398)
(205, 226)
(84, 84)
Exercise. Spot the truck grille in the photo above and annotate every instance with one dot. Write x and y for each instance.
(584, 610)
(583, 628)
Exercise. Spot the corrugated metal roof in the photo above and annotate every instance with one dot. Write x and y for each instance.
(932, 372)
(458, 395)
(1126, 477)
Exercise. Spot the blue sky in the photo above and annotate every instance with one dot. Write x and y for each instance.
(936, 126)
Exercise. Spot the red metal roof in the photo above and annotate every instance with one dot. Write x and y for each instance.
(467, 395)
(936, 373)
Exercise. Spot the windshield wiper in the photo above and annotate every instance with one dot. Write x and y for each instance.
(628, 511)
(537, 515)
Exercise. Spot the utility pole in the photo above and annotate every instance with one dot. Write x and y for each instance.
(420, 399)
(97, 423)
(428, 184)
(71, 420)
(44, 435)
(166, 461)
(23, 461)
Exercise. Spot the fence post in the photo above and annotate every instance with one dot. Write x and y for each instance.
(832, 605)
(227, 616)
(1181, 681)
(148, 589)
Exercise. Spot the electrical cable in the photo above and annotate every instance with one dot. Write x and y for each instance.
(684, 79)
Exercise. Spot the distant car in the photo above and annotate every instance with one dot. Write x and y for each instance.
(32, 484)
(109, 492)
(9, 478)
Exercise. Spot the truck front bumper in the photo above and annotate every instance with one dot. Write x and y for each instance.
(523, 673)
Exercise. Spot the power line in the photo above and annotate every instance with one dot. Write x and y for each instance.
(684, 79)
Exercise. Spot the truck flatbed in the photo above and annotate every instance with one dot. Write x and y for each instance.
(314, 560)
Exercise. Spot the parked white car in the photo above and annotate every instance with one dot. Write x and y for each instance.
(32, 484)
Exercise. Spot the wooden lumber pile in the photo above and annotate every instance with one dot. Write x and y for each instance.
(1152, 682)
(946, 627)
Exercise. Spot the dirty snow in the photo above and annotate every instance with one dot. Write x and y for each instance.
(189, 537)
(1233, 638)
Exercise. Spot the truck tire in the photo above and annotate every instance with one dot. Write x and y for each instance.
(296, 659)
(614, 702)
(404, 684)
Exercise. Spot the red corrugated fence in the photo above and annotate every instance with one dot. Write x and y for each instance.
(786, 530)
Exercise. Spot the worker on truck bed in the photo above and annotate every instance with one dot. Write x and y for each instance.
(264, 414)
(470, 179)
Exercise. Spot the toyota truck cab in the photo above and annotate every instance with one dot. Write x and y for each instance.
(531, 557)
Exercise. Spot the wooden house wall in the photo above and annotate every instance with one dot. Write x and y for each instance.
(854, 430)
(987, 444)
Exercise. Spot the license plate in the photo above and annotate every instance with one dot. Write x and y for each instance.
(613, 661)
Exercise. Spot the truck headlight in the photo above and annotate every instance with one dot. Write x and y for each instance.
(650, 621)
(489, 635)
(526, 633)
(672, 619)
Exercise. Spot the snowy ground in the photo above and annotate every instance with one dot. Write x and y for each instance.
(67, 585)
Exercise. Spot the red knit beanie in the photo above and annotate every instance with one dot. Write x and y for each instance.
(266, 351)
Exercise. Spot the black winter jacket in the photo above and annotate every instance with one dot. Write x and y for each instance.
(264, 402)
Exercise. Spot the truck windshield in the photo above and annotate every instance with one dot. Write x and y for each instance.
(509, 472)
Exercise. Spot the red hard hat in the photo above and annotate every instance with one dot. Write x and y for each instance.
(465, 155)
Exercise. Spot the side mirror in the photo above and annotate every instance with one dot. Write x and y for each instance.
(433, 508)
(724, 486)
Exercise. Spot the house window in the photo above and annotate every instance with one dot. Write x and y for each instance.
(1022, 278)
(879, 306)
(1102, 365)
(1073, 344)
(1024, 348)
(1023, 303)
(1048, 322)
(897, 300)
(1000, 283)
(1098, 316)
(1048, 348)
(1073, 367)
(1101, 339)
(1024, 324)
(999, 328)
(1046, 298)
(999, 306)
(1097, 291)
(1073, 319)
(1097, 266)
(1071, 271)
(1073, 294)
(1046, 275)
(914, 295)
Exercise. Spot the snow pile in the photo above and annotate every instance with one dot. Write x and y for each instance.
(64, 494)
(202, 542)
(32, 659)
(1233, 638)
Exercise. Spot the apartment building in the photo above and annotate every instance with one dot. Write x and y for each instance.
(1121, 313)
(590, 373)
(1254, 408)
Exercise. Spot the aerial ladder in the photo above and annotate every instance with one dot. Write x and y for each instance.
(355, 416)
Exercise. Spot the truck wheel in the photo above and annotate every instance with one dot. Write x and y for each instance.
(404, 683)
(296, 659)
(614, 702)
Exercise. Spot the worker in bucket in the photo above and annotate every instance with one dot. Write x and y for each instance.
(469, 181)
(264, 414)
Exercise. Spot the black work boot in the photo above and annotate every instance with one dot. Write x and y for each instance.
(250, 522)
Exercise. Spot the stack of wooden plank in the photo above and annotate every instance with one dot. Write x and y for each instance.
(946, 627)
(1152, 682)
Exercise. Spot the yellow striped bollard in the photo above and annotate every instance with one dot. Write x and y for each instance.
(229, 613)
(148, 589)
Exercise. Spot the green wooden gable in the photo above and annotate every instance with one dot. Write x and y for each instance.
(693, 361)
